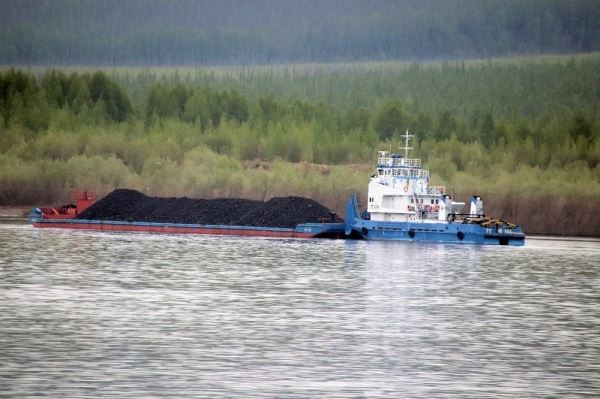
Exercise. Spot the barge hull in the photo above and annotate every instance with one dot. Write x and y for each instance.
(308, 230)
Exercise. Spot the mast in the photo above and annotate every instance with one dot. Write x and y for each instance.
(407, 138)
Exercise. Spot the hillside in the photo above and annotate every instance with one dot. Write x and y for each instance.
(191, 32)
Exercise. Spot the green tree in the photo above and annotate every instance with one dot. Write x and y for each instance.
(356, 119)
(487, 130)
(581, 127)
(391, 118)
(270, 109)
(116, 103)
(56, 86)
(197, 109)
(446, 125)
(235, 106)
(166, 101)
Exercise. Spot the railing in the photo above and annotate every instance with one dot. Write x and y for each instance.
(436, 190)
(403, 173)
(393, 162)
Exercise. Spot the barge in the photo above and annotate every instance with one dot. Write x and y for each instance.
(129, 211)
(305, 230)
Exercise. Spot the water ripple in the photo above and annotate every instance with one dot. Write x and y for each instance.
(99, 315)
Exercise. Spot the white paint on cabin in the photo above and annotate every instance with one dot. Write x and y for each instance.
(400, 191)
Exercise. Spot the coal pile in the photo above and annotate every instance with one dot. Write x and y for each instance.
(286, 212)
(133, 206)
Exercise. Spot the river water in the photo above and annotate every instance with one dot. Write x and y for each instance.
(128, 315)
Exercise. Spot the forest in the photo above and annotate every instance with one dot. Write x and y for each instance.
(524, 133)
(192, 32)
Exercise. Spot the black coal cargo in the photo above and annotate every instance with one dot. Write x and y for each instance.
(133, 206)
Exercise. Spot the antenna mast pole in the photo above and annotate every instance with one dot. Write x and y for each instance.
(407, 137)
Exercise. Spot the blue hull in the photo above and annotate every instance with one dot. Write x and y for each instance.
(435, 232)
(451, 233)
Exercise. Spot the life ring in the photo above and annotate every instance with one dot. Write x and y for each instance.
(436, 208)
(405, 189)
(428, 208)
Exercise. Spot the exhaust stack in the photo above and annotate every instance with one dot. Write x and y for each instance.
(476, 206)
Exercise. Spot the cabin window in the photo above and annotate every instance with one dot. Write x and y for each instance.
(412, 201)
(431, 202)
(421, 200)
(436, 201)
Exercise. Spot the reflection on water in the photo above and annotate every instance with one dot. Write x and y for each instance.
(88, 314)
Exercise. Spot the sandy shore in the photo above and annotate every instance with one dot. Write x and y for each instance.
(17, 212)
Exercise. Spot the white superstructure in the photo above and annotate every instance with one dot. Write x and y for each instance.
(399, 191)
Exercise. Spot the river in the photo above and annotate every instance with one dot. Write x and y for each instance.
(127, 315)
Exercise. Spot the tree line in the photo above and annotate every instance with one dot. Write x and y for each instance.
(267, 127)
(188, 32)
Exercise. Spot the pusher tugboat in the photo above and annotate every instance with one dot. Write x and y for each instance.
(402, 206)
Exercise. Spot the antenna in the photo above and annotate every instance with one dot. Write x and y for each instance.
(407, 136)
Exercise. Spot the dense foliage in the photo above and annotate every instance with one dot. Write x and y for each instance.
(153, 32)
(533, 133)
(26, 102)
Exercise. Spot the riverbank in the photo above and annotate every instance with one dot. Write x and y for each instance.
(15, 214)
(14, 211)
(554, 216)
